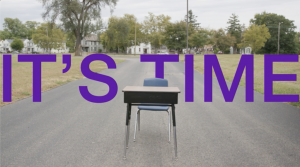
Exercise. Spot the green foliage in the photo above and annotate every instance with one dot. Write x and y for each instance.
(192, 21)
(48, 36)
(222, 40)
(234, 29)
(287, 33)
(117, 34)
(80, 17)
(31, 28)
(297, 41)
(71, 39)
(216, 50)
(175, 35)
(99, 50)
(154, 28)
(17, 44)
(5, 34)
(200, 38)
(255, 37)
(135, 30)
(13, 28)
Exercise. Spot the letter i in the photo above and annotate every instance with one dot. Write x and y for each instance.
(189, 78)
(6, 78)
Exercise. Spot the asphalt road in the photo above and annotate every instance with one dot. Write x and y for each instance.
(66, 130)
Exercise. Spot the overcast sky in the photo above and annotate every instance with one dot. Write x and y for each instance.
(211, 13)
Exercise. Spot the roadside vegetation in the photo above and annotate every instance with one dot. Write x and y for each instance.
(52, 75)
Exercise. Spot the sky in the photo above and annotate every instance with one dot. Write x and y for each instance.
(212, 14)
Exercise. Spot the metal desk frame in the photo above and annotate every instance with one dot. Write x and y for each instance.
(127, 128)
(152, 96)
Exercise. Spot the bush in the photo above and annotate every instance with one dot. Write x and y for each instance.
(216, 50)
(17, 44)
(99, 50)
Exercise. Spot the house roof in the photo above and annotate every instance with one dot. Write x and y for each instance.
(9, 40)
(92, 37)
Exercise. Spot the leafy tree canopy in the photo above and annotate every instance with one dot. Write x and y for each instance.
(234, 29)
(192, 21)
(255, 36)
(222, 40)
(48, 36)
(154, 27)
(175, 35)
(76, 16)
(13, 28)
(287, 33)
(200, 38)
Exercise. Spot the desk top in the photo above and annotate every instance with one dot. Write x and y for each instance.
(151, 89)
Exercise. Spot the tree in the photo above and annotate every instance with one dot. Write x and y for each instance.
(222, 40)
(175, 35)
(48, 36)
(192, 21)
(13, 28)
(200, 37)
(255, 37)
(76, 16)
(17, 44)
(154, 27)
(71, 39)
(297, 41)
(287, 33)
(135, 30)
(117, 34)
(5, 34)
(31, 28)
(235, 30)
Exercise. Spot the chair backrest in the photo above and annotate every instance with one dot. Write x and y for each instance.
(156, 82)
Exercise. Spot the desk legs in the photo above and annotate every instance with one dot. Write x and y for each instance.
(127, 128)
(174, 130)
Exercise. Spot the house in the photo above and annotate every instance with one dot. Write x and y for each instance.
(91, 43)
(140, 49)
(5, 45)
(162, 49)
(30, 47)
(208, 48)
(144, 48)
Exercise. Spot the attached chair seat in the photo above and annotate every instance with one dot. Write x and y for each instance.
(158, 106)
(161, 107)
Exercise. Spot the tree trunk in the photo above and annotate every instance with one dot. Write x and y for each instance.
(78, 46)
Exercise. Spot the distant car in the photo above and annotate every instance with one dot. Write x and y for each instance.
(14, 52)
(220, 52)
(35, 52)
(163, 53)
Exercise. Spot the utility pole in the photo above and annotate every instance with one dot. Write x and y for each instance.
(135, 38)
(47, 40)
(187, 24)
(278, 37)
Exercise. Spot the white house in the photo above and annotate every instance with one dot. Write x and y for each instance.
(162, 49)
(30, 47)
(91, 43)
(140, 49)
(5, 45)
